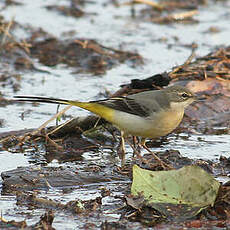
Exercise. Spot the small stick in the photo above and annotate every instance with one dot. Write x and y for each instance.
(6, 31)
(150, 3)
(26, 137)
(187, 62)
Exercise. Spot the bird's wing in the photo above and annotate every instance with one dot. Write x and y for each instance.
(125, 104)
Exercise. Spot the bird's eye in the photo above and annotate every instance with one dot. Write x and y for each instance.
(184, 95)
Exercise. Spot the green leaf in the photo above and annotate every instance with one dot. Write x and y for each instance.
(190, 189)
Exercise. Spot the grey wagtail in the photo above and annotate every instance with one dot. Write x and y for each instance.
(149, 114)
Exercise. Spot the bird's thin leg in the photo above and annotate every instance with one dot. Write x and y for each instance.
(122, 149)
(134, 146)
(134, 141)
(136, 151)
(162, 163)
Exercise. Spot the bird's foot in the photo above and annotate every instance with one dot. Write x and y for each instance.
(121, 154)
(162, 163)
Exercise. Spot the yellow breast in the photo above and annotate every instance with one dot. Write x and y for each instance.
(168, 121)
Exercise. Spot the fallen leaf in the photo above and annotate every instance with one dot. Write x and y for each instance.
(182, 193)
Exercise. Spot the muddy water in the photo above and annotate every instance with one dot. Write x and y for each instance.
(162, 46)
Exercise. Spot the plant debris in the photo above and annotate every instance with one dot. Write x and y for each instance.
(165, 12)
(83, 54)
(177, 194)
(72, 175)
(45, 223)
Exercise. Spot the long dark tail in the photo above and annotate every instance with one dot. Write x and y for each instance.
(97, 108)
(42, 99)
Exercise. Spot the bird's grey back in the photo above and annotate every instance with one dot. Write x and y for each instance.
(154, 100)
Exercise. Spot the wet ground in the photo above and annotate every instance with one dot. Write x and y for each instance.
(86, 50)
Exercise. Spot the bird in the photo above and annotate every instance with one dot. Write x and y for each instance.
(149, 114)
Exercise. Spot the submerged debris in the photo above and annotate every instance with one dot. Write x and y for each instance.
(207, 77)
(44, 223)
(83, 54)
(165, 12)
(75, 206)
(106, 185)
(34, 178)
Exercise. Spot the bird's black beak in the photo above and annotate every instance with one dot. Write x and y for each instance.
(199, 98)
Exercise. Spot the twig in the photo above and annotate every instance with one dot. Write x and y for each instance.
(6, 31)
(26, 136)
(150, 3)
(53, 143)
(183, 15)
(23, 44)
(2, 219)
(175, 17)
(94, 46)
(51, 119)
(187, 62)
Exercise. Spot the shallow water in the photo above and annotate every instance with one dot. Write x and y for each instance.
(111, 27)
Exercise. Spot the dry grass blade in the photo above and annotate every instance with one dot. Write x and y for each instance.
(150, 3)
(6, 31)
(175, 17)
(95, 47)
(53, 143)
(184, 15)
(27, 136)
(187, 62)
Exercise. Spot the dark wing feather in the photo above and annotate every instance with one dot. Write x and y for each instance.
(127, 105)
(124, 104)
